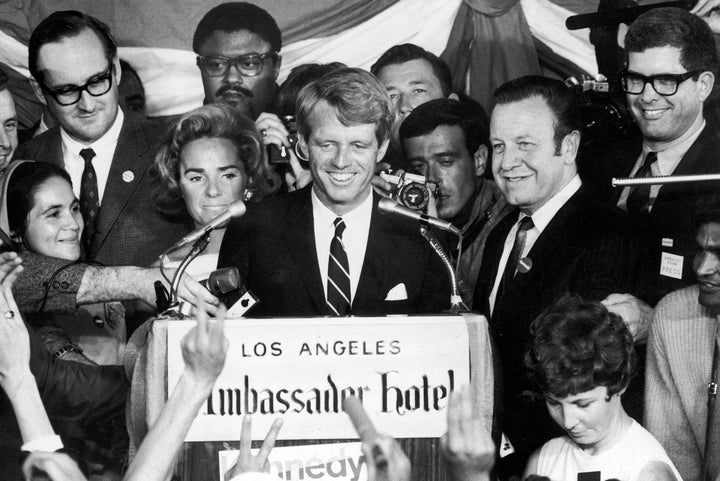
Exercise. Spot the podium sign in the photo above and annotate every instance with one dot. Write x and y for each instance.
(401, 368)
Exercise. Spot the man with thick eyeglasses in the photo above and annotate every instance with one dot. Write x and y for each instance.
(238, 47)
(75, 74)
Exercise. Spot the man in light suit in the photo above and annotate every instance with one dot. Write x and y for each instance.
(558, 240)
(291, 249)
(76, 73)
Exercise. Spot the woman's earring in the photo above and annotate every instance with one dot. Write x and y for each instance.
(247, 195)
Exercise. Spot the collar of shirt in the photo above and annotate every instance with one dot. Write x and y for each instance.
(541, 218)
(355, 237)
(104, 148)
(668, 160)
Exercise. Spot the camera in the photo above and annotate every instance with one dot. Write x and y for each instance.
(410, 190)
(281, 155)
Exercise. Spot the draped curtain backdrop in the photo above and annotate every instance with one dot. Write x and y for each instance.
(489, 44)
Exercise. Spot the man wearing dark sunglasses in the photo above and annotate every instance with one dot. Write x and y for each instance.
(75, 73)
(238, 47)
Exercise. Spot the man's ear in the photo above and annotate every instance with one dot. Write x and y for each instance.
(278, 63)
(382, 149)
(118, 70)
(570, 147)
(480, 160)
(453, 96)
(705, 83)
(38, 91)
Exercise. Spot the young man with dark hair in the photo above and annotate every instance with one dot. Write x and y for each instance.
(447, 142)
(8, 123)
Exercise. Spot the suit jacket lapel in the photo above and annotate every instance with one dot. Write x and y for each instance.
(379, 249)
(300, 241)
(131, 146)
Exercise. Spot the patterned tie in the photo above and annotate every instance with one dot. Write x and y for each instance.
(638, 201)
(526, 224)
(89, 202)
(338, 286)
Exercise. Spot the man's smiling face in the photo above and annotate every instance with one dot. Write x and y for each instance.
(661, 118)
(526, 166)
(342, 159)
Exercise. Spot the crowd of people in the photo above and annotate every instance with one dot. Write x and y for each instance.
(601, 303)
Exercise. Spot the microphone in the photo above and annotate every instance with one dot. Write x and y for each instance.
(387, 206)
(236, 209)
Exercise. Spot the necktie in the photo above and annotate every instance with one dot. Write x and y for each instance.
(526, 224)
(638, 201)
(338, 286)
(89, 202)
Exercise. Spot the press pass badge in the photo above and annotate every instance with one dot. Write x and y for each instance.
(506, 447)
(671, 265)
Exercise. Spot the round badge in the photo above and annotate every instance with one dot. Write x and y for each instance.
(128, 176)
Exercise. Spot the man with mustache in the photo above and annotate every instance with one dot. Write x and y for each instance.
(238, 46)
(680, 359)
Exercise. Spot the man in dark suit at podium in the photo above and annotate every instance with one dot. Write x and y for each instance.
(325, 249)
(558, 240)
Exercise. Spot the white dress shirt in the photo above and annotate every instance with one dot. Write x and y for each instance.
(354, 238)
(104, 148)
(541, 218)
(667, 160)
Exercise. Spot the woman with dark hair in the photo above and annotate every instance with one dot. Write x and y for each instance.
(210, 158)
(582, 358)
(42, 215)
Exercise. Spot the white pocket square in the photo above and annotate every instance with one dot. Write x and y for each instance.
(397, 293)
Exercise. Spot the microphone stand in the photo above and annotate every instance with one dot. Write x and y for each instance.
(200, 245)
(456, 303)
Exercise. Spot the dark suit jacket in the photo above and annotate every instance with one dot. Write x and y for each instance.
(130, 230)
(588, 249)
(273, 246)
(671, 217)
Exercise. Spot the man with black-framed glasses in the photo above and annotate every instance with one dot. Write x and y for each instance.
(238, 46)
(75, 74)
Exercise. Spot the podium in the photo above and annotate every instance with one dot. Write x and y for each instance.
(402, 368)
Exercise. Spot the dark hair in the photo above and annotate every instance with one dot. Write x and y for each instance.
(579, 345)
(300, 76)
(563, 102)
(128, 70)
(406, 52)
(235, 16)
(357, 97)
(23, 184)
(218, 121)
(428, 116)
(67, 24)
(706, 210)
(670, 26)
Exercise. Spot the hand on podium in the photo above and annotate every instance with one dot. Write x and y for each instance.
(467, 446)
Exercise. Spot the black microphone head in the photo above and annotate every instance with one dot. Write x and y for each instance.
(223, 281)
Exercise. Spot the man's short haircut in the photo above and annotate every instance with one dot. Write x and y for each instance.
(67, 24)
(563, 102)
(670, 26)
(706, 211)
(406, 52)
(357, 97)
(235, 16)
(426, 117)
(579, 345)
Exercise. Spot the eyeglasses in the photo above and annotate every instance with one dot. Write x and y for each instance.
(71, 94)
(249, 65)
(664, 84)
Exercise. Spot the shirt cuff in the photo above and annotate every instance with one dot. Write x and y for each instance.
(48, 444)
